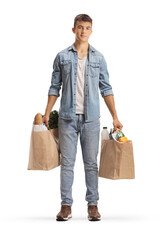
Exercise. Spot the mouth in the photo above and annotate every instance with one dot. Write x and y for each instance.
(83, 35)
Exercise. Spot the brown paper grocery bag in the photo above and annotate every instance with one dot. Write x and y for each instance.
(117, 160)
(44, 152)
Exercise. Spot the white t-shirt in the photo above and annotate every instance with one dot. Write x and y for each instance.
(80, 85)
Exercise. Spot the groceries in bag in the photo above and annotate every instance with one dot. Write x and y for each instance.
(38, 119)
(44, 151)
(104, 136)
(116, 157)
(38, 124)
(53, 119)
(117, 135)
(39, 128)
(123, 139)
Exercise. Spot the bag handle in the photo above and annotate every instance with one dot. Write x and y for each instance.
(118, 129)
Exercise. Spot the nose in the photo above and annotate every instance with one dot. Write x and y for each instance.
(83, 31)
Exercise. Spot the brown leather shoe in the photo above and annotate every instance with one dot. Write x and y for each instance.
(64, 214)
(93, 214)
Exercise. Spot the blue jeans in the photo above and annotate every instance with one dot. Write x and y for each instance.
(89, 139)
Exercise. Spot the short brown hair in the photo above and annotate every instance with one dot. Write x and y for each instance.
(82, 17)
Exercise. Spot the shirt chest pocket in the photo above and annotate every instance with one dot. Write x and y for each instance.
(94, 69)
(66, 66)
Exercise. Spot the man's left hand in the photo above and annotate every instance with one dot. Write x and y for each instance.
(117, 124)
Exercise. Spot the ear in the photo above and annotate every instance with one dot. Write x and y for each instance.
(73, 30)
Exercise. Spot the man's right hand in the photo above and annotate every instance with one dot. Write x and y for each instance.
(45, 120)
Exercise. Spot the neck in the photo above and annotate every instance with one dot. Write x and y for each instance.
(81, 47)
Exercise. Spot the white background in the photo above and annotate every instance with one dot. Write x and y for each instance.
(32, 33)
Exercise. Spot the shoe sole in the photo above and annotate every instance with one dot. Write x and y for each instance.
(94, 219)
(64, 219)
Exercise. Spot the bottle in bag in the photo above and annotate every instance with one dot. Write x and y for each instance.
(104, 136)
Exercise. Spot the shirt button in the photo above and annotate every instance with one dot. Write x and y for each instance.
(86, 84)
(86, 94)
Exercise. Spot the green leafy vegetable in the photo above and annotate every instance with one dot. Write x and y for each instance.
(53, 119)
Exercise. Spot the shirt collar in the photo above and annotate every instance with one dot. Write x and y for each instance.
(91, 48)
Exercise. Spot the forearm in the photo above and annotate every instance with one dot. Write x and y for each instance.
(51, 101)
(109, 100)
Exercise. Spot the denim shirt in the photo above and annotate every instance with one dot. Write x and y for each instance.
(65, 74)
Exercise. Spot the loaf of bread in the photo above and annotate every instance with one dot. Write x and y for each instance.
(38, 119)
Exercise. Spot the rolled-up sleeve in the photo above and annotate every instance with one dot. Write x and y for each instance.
(104, 84)
(56, 80)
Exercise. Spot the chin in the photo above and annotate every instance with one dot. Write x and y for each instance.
(84, 39)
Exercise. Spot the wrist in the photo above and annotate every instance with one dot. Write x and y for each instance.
(115, 117)
(46, 115)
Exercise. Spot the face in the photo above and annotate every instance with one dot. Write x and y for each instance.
(82, 31)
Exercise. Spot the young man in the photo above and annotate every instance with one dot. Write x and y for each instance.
(81, 70)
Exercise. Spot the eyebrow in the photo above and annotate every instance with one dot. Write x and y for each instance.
(82, 26)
